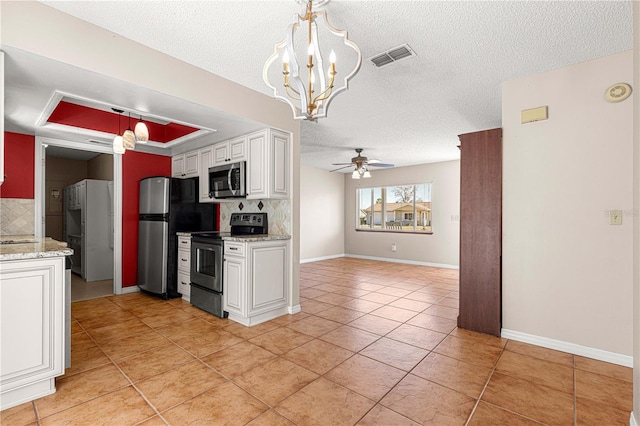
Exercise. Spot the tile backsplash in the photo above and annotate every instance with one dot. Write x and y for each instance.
(278, 213)
(17, 216)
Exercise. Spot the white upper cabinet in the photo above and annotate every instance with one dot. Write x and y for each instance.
(191, 164)
(230, 151)
(205, 160)
(268, 165)
(268, 157)
(185, 165)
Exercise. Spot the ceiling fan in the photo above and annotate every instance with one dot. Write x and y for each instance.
(361, 164)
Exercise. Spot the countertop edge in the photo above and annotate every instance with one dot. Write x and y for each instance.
(247, 238)
(35, 248)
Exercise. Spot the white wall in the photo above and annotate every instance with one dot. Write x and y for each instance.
(439, 249)
(567, 273)
(321, 214)
(635, 419)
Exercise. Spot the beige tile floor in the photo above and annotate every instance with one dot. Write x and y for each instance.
(82, 290)
(376, 343)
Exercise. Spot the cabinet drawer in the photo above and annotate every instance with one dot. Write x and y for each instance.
(233, 249)
(184, 286)
(184, 243)
(184, 260)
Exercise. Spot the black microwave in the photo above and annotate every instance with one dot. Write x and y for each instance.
(228, 180)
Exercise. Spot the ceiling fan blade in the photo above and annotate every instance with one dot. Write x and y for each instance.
(342, 164)
(340, 168)
(370, 164)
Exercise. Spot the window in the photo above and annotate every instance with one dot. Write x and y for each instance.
(400, 208)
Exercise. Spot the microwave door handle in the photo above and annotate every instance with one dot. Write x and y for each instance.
(233, 191)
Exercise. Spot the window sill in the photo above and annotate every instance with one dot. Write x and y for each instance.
(392, 231)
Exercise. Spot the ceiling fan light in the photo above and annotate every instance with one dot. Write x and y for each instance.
(355, 175)
(142, 132)
(118, 148)
(366, 174)
(129, 139)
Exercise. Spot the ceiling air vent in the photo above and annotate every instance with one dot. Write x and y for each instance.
(392, 55)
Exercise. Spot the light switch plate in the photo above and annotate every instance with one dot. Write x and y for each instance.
(615, 217)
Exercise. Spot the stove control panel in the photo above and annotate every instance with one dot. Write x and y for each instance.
(248, 219)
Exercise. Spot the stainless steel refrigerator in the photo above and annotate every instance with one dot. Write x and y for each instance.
(167, 205)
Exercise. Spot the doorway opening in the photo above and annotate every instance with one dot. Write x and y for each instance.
(80, 204)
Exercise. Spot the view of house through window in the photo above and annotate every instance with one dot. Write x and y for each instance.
(395, 208)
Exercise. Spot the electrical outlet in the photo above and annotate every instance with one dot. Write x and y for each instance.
(278, 216)
(393, 247)
(615, 217)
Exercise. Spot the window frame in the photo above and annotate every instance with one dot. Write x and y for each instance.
(384, 214)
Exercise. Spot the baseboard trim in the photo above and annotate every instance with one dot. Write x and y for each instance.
(408, 262)
(572, 348)
(294, 309)
(317, 259)
(382, 259)
(130, 289)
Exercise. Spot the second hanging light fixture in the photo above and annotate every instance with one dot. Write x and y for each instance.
(129, 138)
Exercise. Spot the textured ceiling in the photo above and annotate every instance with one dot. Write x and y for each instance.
(409, 112)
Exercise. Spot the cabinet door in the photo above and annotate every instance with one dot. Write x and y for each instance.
(206, 161)
(32, 327)
(177, 166)
(279, 165)
(269, 283)
(220, 153)
(234, 294)
(191, 164)
(256, 166)
(238, 149)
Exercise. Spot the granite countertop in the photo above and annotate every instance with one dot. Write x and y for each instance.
(252, 238)
(244, 238)
(17, 247)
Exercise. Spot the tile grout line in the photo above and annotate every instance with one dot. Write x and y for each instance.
(486, 384)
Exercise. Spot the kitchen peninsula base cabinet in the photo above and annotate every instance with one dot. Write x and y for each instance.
(256, 280)
(32, 312)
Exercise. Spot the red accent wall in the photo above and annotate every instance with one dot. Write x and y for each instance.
(135, 166)
(103, 121)
(19, 158)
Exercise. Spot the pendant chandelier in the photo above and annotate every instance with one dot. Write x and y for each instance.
(129, 138)
(309, 92)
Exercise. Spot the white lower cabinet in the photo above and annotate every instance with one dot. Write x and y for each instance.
(184, 267)
(32, 313)
(234, 292)
(256, 280)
